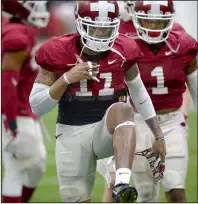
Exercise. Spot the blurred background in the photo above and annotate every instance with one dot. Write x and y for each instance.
(62, 17)
(62, 22)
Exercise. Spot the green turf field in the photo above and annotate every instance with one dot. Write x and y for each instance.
(48, 188)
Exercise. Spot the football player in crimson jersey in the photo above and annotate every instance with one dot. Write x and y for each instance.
(23, 147)
(126, 22)
(169, 64)
(127, 27)
(84, 74)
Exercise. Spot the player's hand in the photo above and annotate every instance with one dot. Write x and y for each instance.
(20, 144)
(159, 148)
(85, 70)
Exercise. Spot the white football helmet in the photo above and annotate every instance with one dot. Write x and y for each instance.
(129, 7)
(97, 22)
(154, 12)
(30, 12)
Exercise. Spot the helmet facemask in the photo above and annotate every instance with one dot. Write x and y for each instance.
(129, 7)
(98, 35)
(39, 16)
(153, 35)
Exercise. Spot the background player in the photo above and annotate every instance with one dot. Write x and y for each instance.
(126, 26)
(90, 115)
(23, 148)
(165, 80)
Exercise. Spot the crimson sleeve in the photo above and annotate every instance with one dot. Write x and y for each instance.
(132, 56)
(15, 41)
(9, 96)
(189, 48)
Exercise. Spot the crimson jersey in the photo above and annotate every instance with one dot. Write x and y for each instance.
(4, 20)
(15, 37)
(127, 27)
(164, 74)
(86, 101)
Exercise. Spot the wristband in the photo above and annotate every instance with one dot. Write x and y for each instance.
(66, 79)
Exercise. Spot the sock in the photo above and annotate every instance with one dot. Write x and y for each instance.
(123, 175)
(27, 193)
(11, 199)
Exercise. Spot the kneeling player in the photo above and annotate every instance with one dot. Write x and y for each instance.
(92, 124)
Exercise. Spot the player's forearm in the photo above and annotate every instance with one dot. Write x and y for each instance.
(192, 86)
(143, 104)
(9, 97)
(154, 127)
(141, 98)
(58, 88)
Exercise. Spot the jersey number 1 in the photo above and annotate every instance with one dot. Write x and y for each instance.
(160, 89)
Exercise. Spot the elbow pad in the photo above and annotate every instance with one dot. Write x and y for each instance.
(192, 86)
(141, 98)
(40, 100)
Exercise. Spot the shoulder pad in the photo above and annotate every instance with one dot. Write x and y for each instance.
(129, 49)
(188, 45)
(55, 53)
(177, 27)
(14, 37)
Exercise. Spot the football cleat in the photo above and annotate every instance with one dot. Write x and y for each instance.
(124, 193)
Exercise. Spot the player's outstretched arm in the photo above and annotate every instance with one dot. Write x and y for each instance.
(191, 72)
(144, 105)
(11, 65)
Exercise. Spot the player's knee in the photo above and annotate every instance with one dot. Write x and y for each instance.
(120, 113)
(173, 180)
(71, 194)
(35, 169)
(124, 110)
(37, 165)
(41, 162)
(147, 193)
